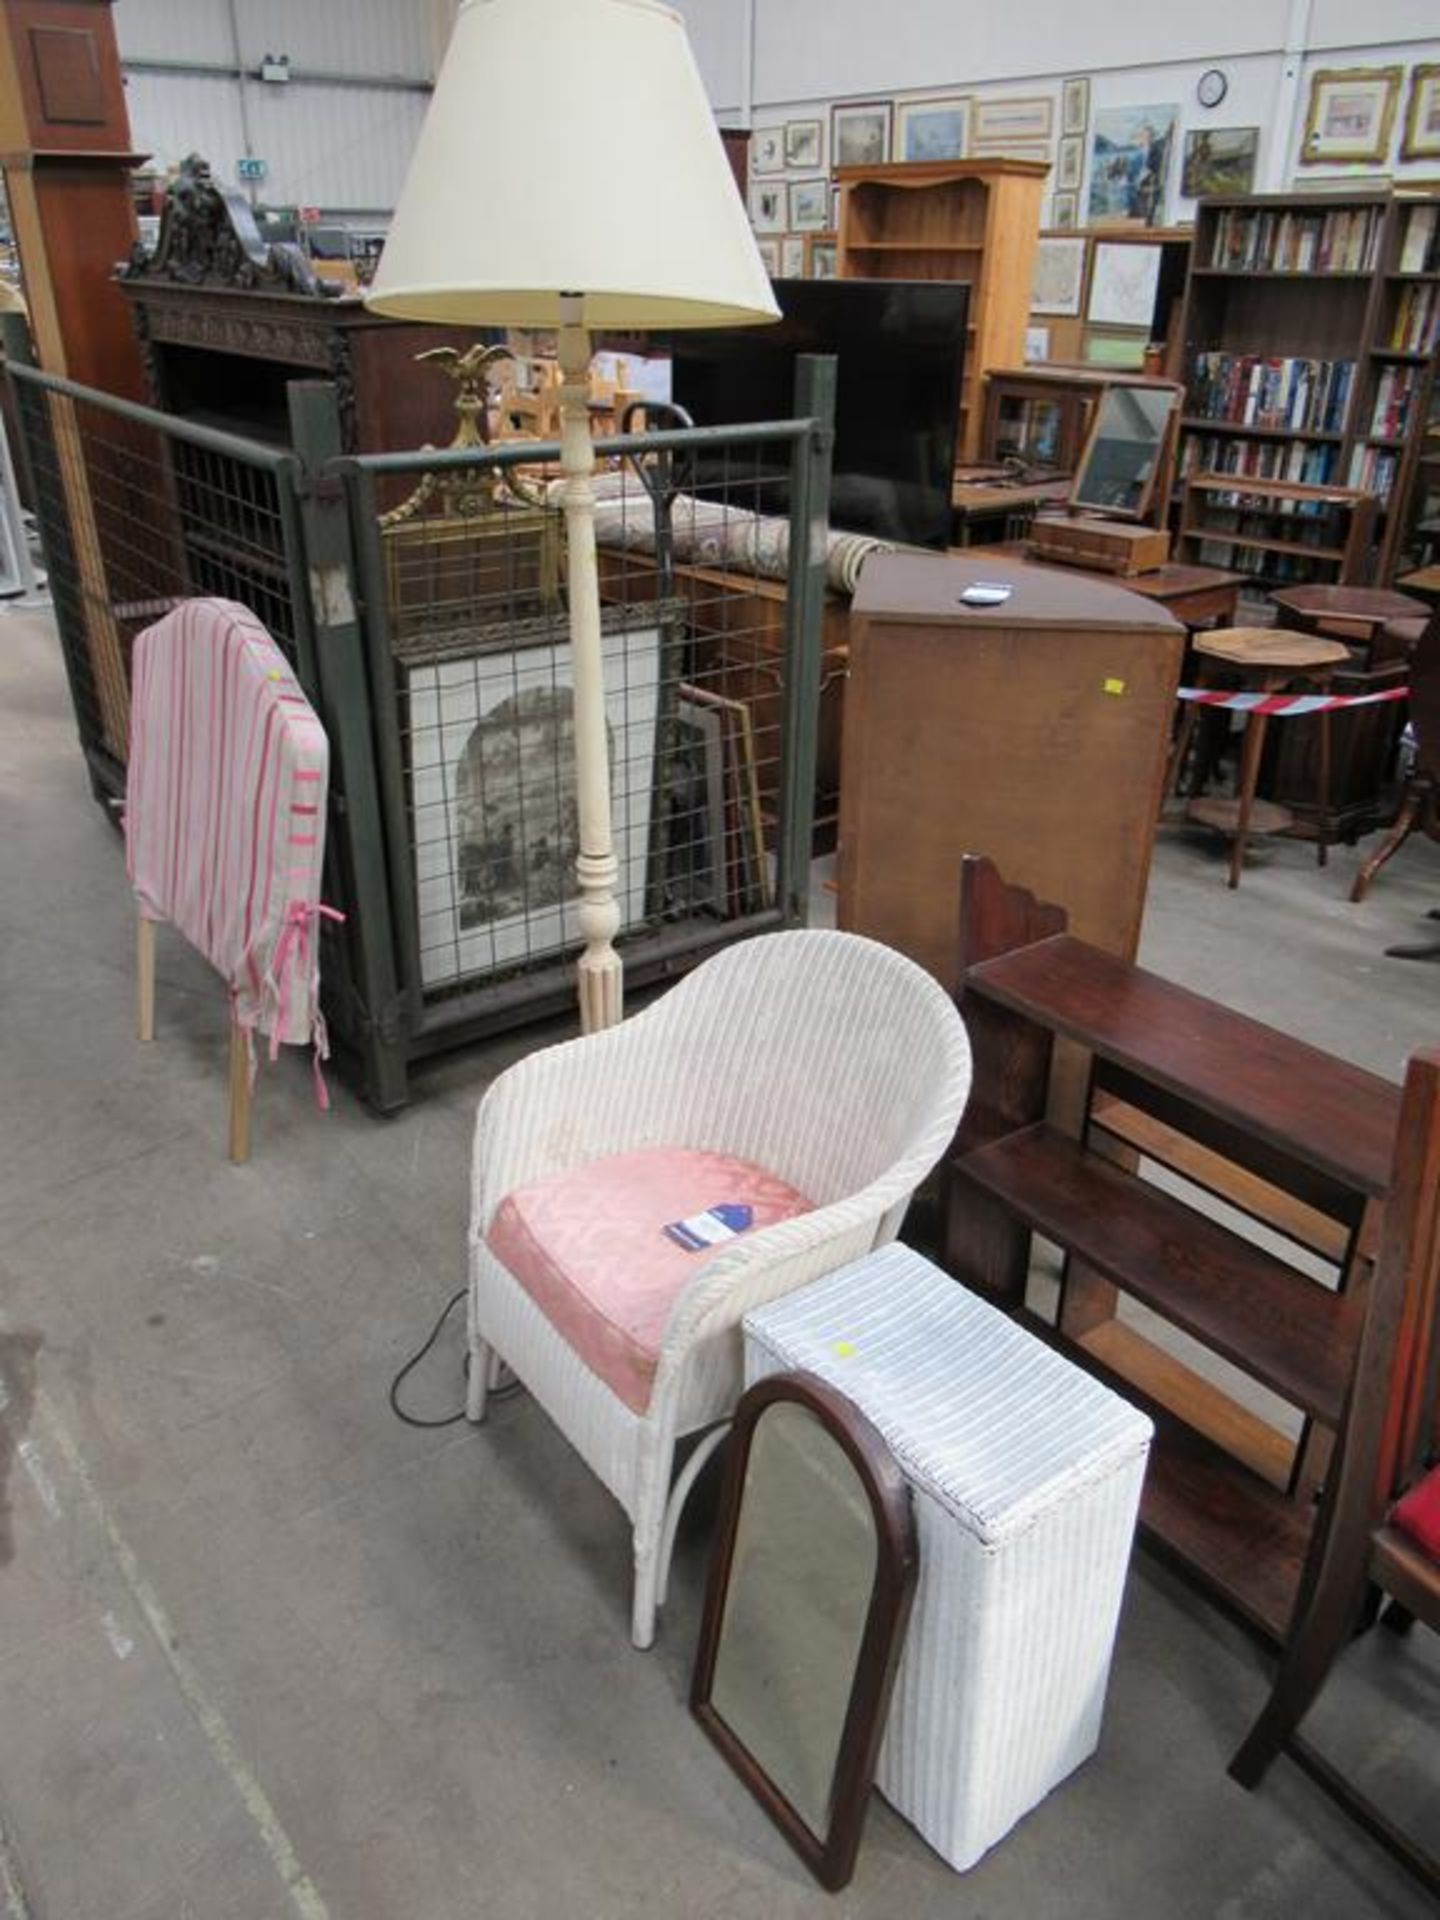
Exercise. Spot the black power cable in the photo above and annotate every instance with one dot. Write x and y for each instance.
(450, 1419)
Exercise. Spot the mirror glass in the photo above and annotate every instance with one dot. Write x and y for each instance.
(810, 1588)
(1121, 462)
(799, 1594)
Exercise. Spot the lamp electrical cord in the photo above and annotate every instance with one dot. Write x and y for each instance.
(449, 1419)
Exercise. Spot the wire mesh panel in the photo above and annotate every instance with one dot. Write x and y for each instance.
(464, 603)
(136, 517)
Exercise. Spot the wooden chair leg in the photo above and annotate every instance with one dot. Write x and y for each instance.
(1322, 836)
(1398, 834)
(1183, 736)
(239, 1095)
(1249, 774)
(145, 977)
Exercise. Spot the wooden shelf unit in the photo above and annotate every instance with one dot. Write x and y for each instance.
(1404, 357)
(1224, 519)
(1296, 1141)
(1297, 306)
(971, 220)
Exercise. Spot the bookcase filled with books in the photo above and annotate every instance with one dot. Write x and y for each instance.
(1309, 346)
(1396, 454)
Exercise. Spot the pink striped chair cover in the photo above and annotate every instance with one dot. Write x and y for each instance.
(225, 813)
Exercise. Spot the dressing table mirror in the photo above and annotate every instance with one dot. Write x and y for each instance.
(810, 1589)
(1124, 467)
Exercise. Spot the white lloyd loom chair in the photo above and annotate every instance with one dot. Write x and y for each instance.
(816, 1076)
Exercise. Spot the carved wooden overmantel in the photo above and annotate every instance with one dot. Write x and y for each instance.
(215, 286)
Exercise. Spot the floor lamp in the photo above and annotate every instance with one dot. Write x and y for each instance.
(570, 174)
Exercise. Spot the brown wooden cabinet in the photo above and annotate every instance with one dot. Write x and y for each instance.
(971, 220)
(1035, 732)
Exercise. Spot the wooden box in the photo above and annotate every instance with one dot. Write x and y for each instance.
(1035, 732)
(1107, 546)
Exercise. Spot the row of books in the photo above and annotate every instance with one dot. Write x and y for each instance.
(1417, 319)
(1305, 396)
(1420, 240)
(1298, 460)
(1219, 506)
(1394, 397)
(1282, 240)
(1277, 569)
(1373, 470)
(1296, 530)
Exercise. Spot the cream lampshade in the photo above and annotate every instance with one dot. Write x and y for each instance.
(570, 174)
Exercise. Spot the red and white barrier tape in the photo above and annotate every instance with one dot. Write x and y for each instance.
(1288, 703)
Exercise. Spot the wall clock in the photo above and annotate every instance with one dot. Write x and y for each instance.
(1212, 87)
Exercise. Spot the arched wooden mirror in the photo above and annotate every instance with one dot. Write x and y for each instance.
(810, 1590)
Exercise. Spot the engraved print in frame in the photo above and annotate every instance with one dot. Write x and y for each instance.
(492, 790)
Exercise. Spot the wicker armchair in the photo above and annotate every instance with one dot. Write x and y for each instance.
(833, 1063)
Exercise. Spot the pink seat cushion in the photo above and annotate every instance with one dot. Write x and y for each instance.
(590, 1249)
(1418, 1514)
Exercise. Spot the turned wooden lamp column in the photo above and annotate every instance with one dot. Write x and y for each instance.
(595, 198)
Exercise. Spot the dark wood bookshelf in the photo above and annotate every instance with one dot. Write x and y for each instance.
(1277, 273)
(1294, 1140)
(1203, 423)
(1357, 313)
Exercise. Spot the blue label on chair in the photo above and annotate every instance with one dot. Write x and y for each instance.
(708, 1229)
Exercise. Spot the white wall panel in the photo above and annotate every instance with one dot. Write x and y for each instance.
(716, 29)
(385, 37)
(171, 117)
(335, 146)
(826, 48)
(173, 29)
(1344, 23)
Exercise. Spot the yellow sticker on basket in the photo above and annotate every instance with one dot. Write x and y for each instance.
(1115, 687)
(846, 1349)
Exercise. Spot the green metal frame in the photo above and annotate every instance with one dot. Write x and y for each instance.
(334, 568)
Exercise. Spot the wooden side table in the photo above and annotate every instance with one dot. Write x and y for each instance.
(1267, 660)
(1358, 615)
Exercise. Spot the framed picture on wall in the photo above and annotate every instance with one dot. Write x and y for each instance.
(933, 129)
(769, 206)
(792, 256)
(1130, 162)
(1064, 210)
(860, 133)
(809, 205)
(1071, 164)
(1422, 116)
(1112, 347)
(769, 251)
(1219, 160)
(1351, 114)
(1124, 281)
(804, 143)
(1075, 105)
(1001, 122)
(820, 256)
(1059, 275)
(767, 150)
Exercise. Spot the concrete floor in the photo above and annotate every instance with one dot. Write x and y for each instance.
(265, 1652)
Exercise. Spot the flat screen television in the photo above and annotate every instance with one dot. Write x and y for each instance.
(899, 347)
